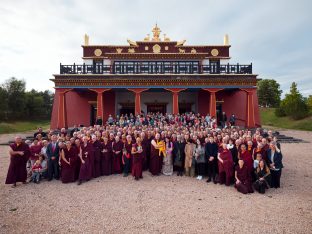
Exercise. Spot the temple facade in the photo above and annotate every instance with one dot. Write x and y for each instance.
(154, 75)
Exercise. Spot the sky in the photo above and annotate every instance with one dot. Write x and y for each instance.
(275, 35)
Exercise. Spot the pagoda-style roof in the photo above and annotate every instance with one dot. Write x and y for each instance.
(155, 48)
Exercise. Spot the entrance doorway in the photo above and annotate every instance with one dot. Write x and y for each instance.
(126, 108)
(93, 110)
(185, 108)
(219, 112)
(156, 107)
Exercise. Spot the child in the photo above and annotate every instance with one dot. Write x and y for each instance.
(36, 169)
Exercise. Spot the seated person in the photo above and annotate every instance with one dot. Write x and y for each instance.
(44, 166)
(43, 134)
(263, 177)
(36, 169)
(243, 178)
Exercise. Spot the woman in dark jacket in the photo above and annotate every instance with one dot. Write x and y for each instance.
(263, 177)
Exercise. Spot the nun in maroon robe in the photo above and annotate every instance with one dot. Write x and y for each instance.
(86, 155)
(19, 155)
(155, 168)
(246, 156)
(68, 158)
(117, 147)
(137, 157)
(225, 163)
(107, 155)
(126, 156)
(78, 161)
(243, 178)
(145, 149)
(97, 147)
(35, 150)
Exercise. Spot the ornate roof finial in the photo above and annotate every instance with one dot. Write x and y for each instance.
(156, 32)
(86, 40)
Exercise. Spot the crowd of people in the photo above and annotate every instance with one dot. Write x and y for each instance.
(188, 144)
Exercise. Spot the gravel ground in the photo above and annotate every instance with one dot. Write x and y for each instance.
(161, 204)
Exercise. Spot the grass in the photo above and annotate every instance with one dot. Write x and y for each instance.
(268, 118)
(23, 126)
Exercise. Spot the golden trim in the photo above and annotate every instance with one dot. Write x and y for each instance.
(156, 49)
(97, 52)
(214, 52)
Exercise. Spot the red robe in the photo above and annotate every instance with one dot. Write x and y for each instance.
(17, 168)
(245, 178)
(247, 158)
(137, 163)
(35, 149)
(117, 146)
(227, 165)
(68, 171)
(155, 167)
(85, 172)
(106, 162)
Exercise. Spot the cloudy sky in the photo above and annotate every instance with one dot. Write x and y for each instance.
(276, 36)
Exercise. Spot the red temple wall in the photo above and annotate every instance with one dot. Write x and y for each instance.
(109, 104)
(203, 102)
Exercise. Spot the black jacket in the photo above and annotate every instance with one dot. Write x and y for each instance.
(211, 149)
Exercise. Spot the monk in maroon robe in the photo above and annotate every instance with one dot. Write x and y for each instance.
(246, 156)
(19, 155)
(35, 150)
(126, 156)
(97, 147)
(243, 178)
(68, 158)
(155, 167)
(77, 158)
(86, 155)
(137, 157)
(117, 147)
(107, 155)
(225, 164)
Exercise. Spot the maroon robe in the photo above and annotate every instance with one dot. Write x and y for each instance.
(145, 146)
(117, 146)
(68, 170)
(247, 158)
(155, 166)
(85, 172)
(97, 147)
(106, 162)
(77, 161)
(226, 167)
(17, 168)
(35, 149)
(137, 163)
(128, 148)
(245, 178)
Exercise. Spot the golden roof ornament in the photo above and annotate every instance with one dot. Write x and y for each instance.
(132, 43)
(181, 43)
(147, 38)
(166, 38)
(156, 32)
(226, 39)
(86, 40)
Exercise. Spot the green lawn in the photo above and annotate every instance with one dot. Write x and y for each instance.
(268, 118)
(23, 126)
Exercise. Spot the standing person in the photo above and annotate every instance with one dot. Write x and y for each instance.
(85, 154)
(178, 154)
(68, 158)
(199, 153)
(97, 148)
(35, 149)
(19, 155)
(211, 152)
(223, 120)
(225, 165)
(117, 147)
(167, 168)
(263, 177)
(189, 162)
(78, 161)
(243, 178)
(274, 158)
(126, 155)
(53, 153)
(107, 154)
(137, 157)
(232, 120)
(155, 154)
(246, 156)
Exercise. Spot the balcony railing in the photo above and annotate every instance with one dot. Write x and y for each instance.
(138, 68)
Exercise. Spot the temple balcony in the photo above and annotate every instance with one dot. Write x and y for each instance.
(156, 68)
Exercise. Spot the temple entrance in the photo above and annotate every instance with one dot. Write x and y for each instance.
(156, 107)
(219, 111)
(126, 108)
(185, 107)
(93, 110)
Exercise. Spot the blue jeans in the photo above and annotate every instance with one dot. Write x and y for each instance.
(35, 176)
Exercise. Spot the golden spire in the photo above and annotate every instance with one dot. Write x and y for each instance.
(86, 40)
(156, 32)
(226, 39)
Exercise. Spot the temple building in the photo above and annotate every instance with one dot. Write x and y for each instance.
(154, 75)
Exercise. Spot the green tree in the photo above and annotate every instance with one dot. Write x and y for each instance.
(309, 102)
(269, 93)
(15, 97)
(3, 104)
(294, 104)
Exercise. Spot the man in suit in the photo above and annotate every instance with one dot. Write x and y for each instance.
(211, 153)
(53, 153)
(274, 160)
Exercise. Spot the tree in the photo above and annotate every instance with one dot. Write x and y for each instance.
(269, 93)
(294, 104)
(3, 104)
(309, 102)
(15, 97)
